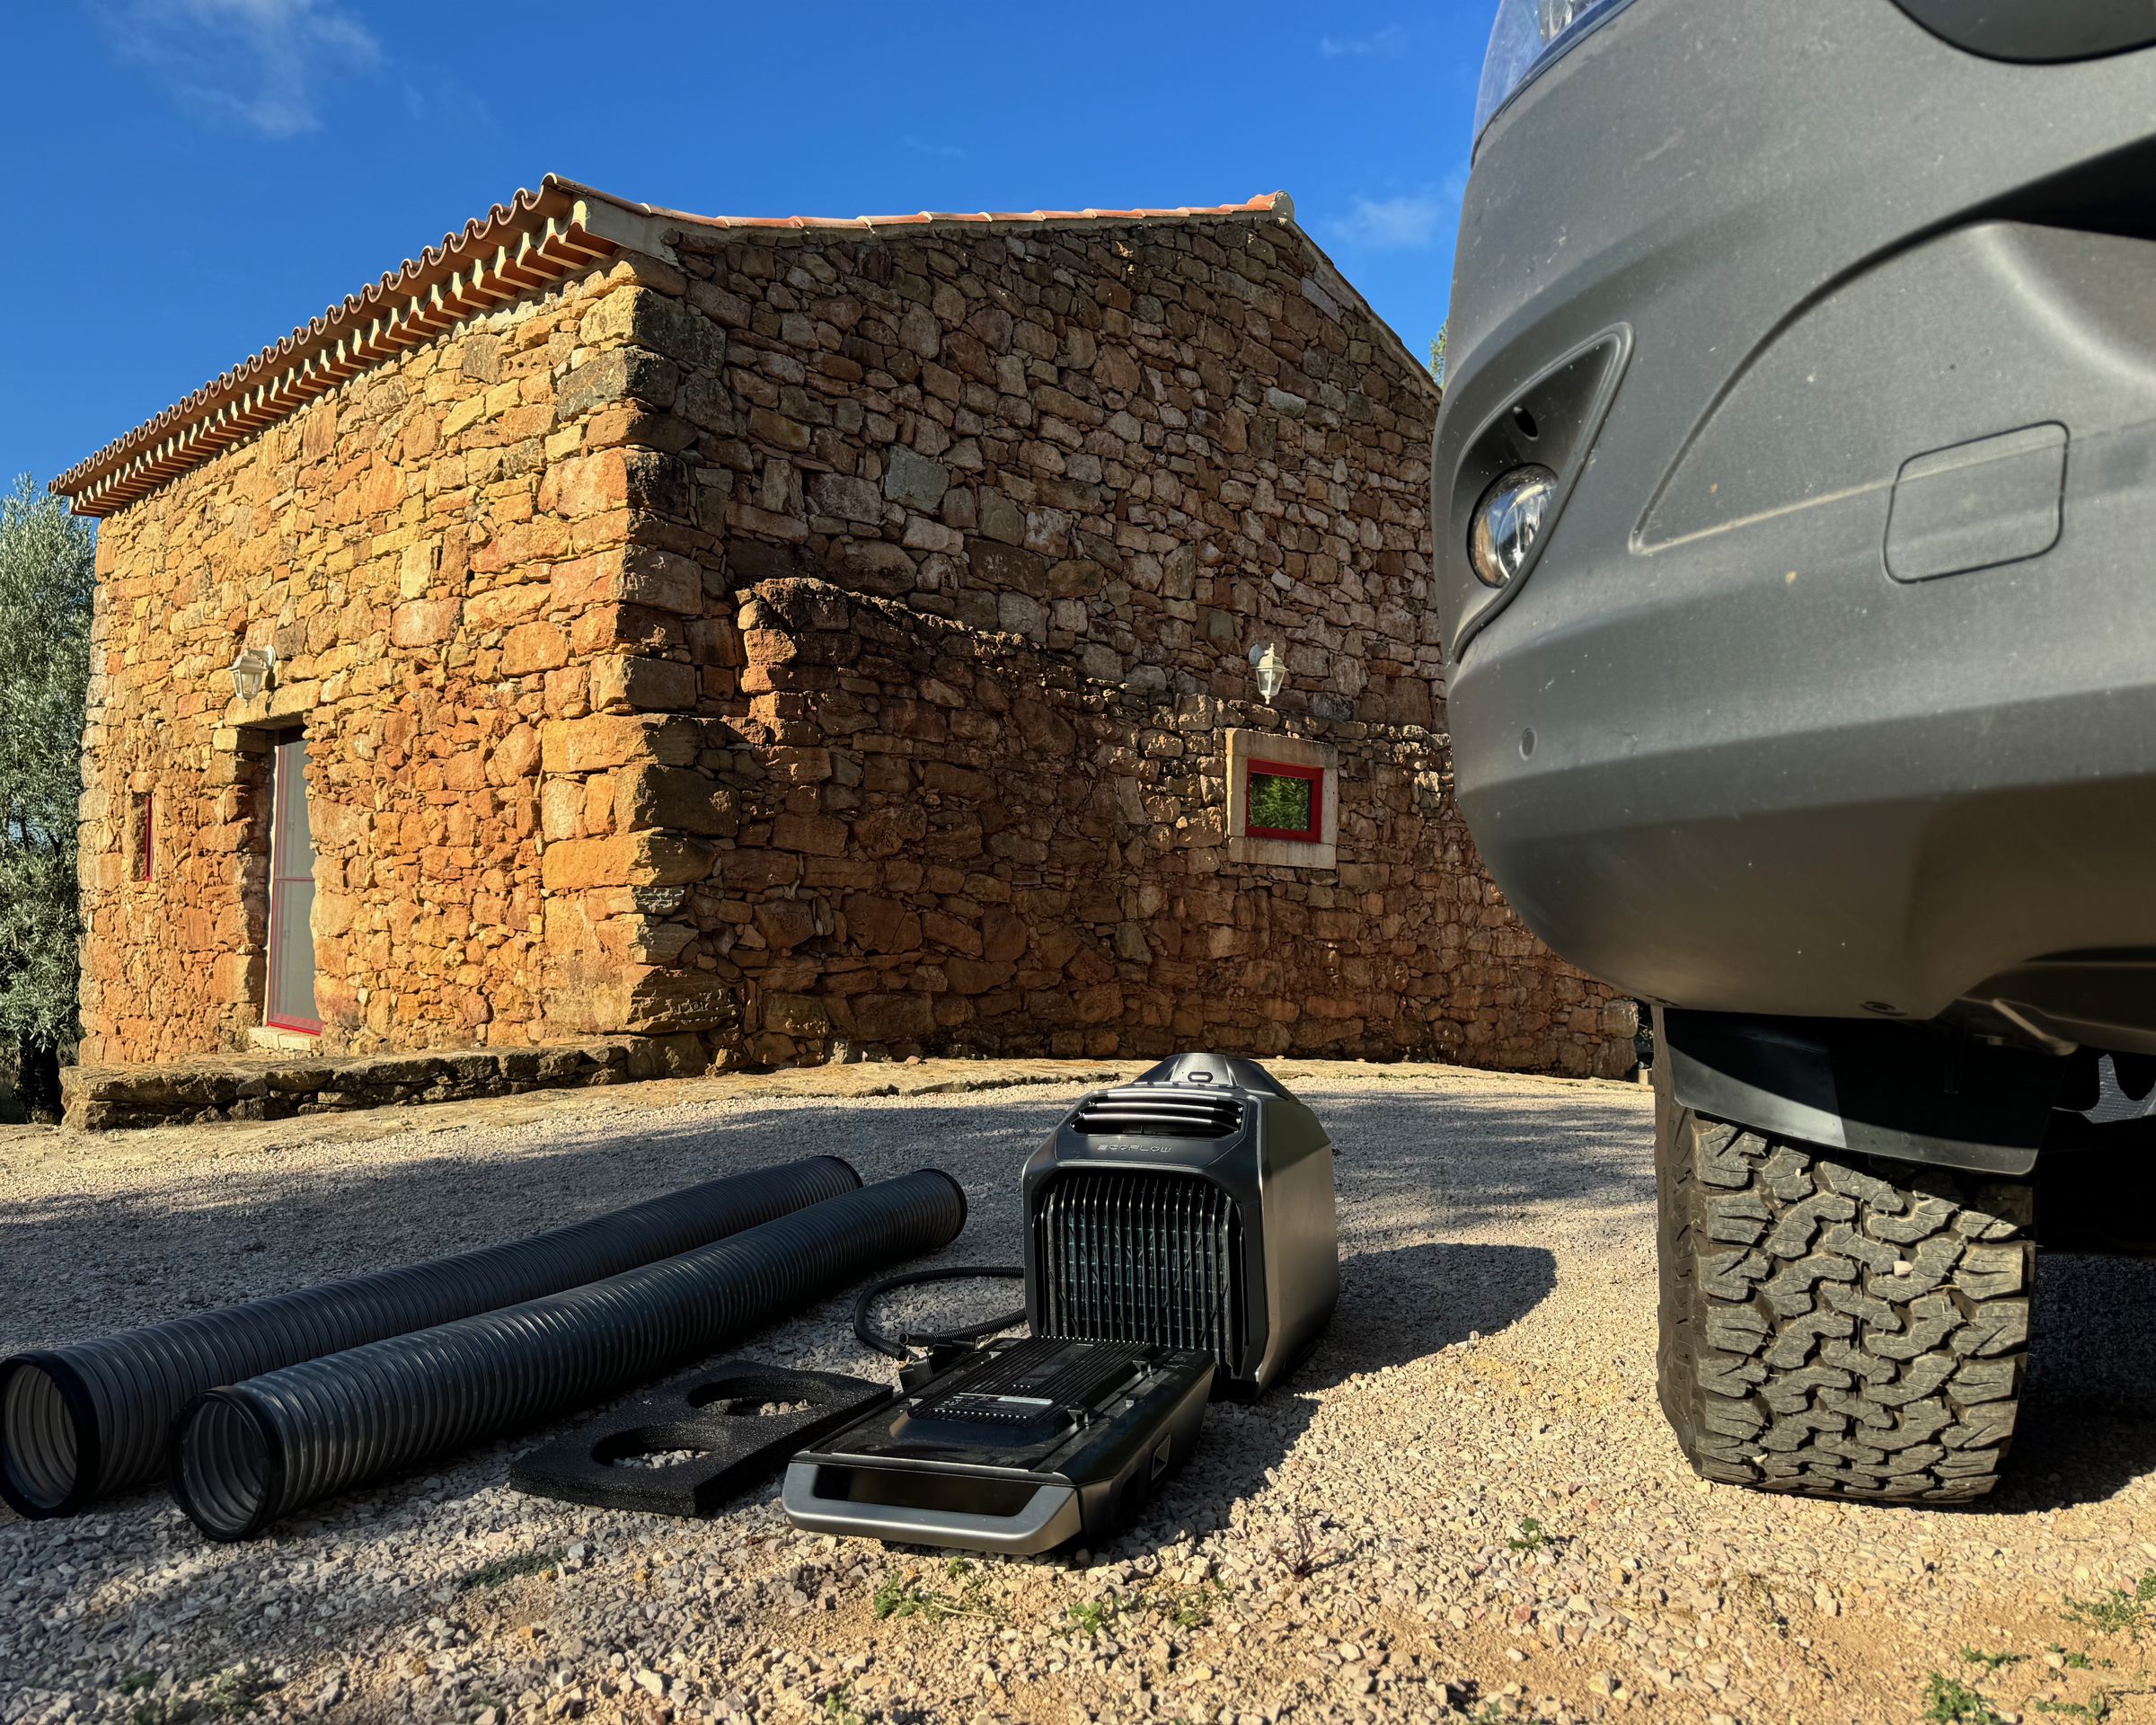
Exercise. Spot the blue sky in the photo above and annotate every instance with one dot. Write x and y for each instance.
(191, 178)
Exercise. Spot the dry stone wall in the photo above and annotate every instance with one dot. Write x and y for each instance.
(1004, 511)
(812, 639)
(439, 552)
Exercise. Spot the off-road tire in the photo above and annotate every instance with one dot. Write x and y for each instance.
(1835, 1325)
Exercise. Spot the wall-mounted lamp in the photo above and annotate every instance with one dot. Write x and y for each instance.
(1272, 671)
(252, 672)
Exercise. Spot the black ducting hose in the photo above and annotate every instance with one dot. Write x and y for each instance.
(246, 1456)
(899, 1344)
(78, 1422)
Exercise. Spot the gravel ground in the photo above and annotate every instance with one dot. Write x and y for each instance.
(1464, 1504)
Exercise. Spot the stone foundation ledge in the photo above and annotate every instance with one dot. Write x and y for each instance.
(275, 1087)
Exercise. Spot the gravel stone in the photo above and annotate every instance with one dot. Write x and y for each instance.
(1464, 1505)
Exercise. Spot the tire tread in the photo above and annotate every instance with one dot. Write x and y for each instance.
(1834, 1325)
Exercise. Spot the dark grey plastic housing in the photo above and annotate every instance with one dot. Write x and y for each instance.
(2038, 30)
(1192, 1209)
(1839, 665)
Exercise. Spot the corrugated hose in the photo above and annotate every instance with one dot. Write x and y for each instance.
(79, 1422)
(246, 1456)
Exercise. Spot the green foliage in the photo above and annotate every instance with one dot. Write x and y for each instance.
(1280, 803)
(508, 1569)
(838, 1706)
(46, 584)
(1948, 1701)
(1991, 1662)
(904, 1596)
(1089, 1617)
(2095, 1710)
(1181, 1607)
(1533, 1536)
(2117, 1612)
(1437, 353)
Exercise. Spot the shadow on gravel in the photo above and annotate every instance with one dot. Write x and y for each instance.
(1417, 1168)
(1396, 1306)
(2088, 1425)
(1427, 1159)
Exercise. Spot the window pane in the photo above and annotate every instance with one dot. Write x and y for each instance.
(1280, 803)
(291, 892)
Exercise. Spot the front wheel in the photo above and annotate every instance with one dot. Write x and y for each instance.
(1836, 1324)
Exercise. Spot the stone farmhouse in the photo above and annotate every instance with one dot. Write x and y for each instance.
(752, 638)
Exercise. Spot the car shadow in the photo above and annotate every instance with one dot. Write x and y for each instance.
(1398, 1305)
(2087, 1423)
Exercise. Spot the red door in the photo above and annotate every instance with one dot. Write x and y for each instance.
(291, 989)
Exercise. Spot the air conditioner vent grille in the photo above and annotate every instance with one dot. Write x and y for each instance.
(1148, 1257)
(1158, 1111)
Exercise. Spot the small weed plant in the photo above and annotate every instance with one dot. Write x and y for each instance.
(1991, 1662)
(505, 1570)
(1948, 1701)
(838, 1708)
(907, 1595)
(1184, 1608)
(2117, 1612)
(2096, 1709)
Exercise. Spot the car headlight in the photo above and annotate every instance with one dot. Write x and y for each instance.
(1508, 524)
(1527, 36)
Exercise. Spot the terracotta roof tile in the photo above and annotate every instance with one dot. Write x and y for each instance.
(536, 237)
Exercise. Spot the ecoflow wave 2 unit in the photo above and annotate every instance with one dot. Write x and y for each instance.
(1192, 1209)
(1179, 1241)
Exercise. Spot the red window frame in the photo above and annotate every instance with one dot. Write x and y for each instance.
(146, 835)
(1311, 834)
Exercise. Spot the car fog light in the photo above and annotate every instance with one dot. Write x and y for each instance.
(1508, 524)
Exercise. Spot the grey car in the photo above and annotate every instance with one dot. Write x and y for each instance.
(1795, 495)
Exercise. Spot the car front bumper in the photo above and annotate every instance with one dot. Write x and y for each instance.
(1833, 689)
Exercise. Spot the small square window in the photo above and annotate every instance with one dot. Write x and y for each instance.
(1285, 801)
(144, 823)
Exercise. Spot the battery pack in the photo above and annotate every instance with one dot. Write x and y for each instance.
(1019, 1447)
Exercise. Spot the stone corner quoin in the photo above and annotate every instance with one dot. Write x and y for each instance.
(780, 635)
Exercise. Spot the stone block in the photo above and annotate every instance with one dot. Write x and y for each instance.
(1008, 568)
(889, 1018)
(1001, 520)
(676, 799)
(425, 622)
(849, 498)
(879, 924)
(798, 1015)
(606, 740)
(533, 647)
(625, 860)
(915, 481)
(817, 835)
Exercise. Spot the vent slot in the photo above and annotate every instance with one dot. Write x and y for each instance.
(1142, 1256)
(1158, 1111)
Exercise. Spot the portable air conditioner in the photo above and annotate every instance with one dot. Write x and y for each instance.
(1191, 1210)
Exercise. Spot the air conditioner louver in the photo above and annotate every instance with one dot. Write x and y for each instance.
(1158, 1111)
(1142, 1258)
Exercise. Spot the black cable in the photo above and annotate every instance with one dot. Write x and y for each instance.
(897, 1344)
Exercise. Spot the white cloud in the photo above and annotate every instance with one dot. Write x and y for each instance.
(1392, 224)
(258, 64)
(1408, 221)
(922, 146)
(1387, 44)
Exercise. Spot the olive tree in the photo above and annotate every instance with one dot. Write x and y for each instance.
(47, 582)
